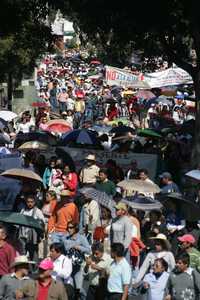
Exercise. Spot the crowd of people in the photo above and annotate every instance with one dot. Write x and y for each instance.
(89, 249)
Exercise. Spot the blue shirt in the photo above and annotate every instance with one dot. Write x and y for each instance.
(78, 240)
(120, 274)
(170, 188)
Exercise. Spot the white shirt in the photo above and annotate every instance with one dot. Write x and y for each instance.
(62, 269)
(91, 209)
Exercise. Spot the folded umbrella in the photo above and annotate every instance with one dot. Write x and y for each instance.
(20, 219)
(140, 186)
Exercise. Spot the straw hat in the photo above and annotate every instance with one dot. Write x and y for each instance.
(91, 157)
(21, 260)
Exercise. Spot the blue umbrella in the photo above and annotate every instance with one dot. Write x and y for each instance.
(80, 136)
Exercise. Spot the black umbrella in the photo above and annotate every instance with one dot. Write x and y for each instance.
(142, 203)
(122, 129)
(67, 160)
(44, 137)
(189, 209)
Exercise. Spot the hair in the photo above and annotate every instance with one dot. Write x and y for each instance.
(118, 249)
(4, 229)
(145, 171)
(31, 196)
(52, 194)
(98, 246)
(76, 226)
(184, 257)
(104, 170)
(164, 243)
(163, 263)
(58, 247)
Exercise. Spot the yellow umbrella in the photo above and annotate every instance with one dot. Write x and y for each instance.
(22, 173)
(35, 145)
(141, 186)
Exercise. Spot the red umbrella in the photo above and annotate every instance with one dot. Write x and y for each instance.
(58, 126)
(95, 62)
(145, 94)
(40, 104)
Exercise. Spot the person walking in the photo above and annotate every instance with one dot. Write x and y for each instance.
(7, 253)
(11, 282)
(44, 287)
(119, 274)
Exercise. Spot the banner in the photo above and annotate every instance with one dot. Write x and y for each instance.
(123, 78)
(147, 161)
(171, 76)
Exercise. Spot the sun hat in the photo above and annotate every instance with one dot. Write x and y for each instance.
(21, 260)
(121, 205)
(166, 175)
(46, 264)
(90, 157)
(159, 236)
(187, 238)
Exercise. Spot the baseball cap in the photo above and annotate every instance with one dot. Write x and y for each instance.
(46, 264)
(166, 175)
(187, 238)
(121, 205)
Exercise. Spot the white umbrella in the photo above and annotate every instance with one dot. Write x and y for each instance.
(7, 115)
(195, 174)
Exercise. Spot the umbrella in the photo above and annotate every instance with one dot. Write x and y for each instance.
(80, 136)
(101, 197)
(164, 100)
(3, 123)
(95, 62)
(7, 115)
(190, 210)
(142, 203)
(122, 129)
(58, 125)
(145, 94)
(140, 186)
(20, 219)
(148, 133)
(101, 128)
(34, 145)
(44, 137)
(195, 174)
(22, 173)
(40, 104)
(115, 122)
(4, 139)
(67, 160)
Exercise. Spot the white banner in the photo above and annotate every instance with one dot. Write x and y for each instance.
(147, 161)
(123, 78)
(171, 76)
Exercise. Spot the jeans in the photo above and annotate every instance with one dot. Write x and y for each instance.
(54, 103)
(62, 106)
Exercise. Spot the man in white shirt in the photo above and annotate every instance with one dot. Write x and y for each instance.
(90, 172)
(90, 215)
(62, 268)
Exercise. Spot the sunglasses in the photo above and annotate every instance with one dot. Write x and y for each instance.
(70, 227)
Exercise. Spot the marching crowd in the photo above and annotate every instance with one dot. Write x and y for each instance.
(94, 245)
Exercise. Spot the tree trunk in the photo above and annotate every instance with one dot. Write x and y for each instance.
(10, 90)
(196, 147)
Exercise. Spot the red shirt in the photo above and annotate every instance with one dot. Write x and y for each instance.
(7, 257)
(43, 291)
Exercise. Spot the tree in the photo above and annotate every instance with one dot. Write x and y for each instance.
(170, 28)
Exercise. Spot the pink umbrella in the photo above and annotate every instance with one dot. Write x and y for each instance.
(145, 94)
(95, 62)
(58, 126)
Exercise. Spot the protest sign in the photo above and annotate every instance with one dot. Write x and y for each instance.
(123, 78)
(171, 76)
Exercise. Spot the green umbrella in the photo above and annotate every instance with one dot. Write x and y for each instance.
(148, 133)
(20, 219)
